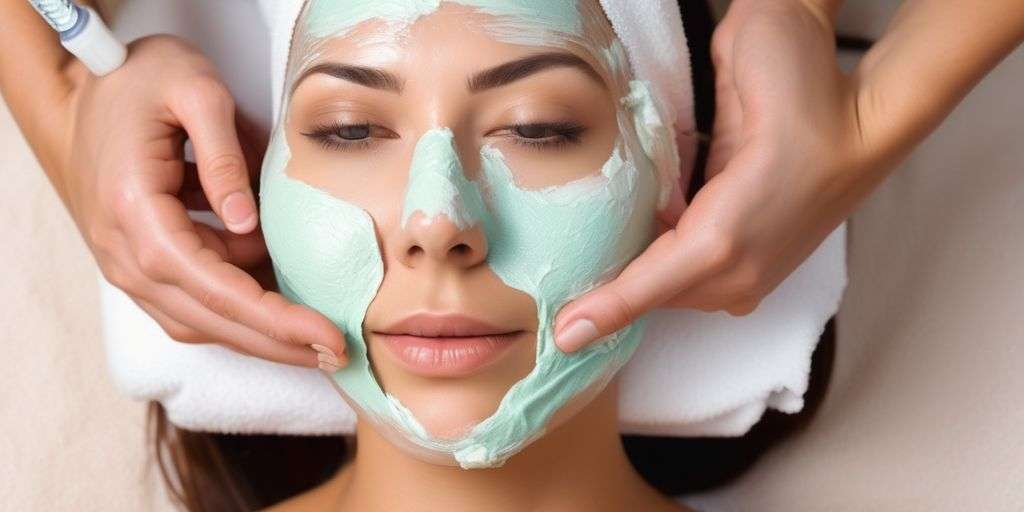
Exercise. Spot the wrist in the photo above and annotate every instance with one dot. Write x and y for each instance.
(51, 122)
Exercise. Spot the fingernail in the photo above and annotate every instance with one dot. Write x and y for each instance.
(328, 362)
(328, 367)
(576, 335)
(324, 353)
(239, 212)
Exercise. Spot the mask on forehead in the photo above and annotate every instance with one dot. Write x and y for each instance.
(553, 243)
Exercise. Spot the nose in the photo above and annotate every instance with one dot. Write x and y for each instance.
(439, 241)
(441, 216)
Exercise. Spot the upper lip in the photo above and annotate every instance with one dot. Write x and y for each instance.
(438, 325)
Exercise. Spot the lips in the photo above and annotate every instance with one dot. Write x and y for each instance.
(446, 345)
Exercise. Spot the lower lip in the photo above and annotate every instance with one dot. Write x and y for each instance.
(447, 357)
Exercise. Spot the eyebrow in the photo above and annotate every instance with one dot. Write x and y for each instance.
(491, 78)
(374, 78)
(519, 69)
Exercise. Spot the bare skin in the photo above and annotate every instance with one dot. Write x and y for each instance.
(580, 466)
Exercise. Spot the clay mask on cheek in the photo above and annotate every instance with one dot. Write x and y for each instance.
(553, 244)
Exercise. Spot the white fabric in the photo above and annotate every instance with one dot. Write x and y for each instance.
(695, 373)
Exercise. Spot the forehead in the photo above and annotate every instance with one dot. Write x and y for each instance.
(451, 33)
(515, 21)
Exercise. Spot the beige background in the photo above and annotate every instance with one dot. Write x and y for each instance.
(69, 441)
(922, 413)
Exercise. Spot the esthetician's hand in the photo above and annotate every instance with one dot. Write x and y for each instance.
(797, 146)
(121, 173)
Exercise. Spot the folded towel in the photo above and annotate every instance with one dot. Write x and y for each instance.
(695, 373)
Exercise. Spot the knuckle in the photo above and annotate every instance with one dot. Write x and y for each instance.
(722, 251)
(178, 332)
(217, 303)
(96, 236)
(122, 202)
(116, 276)
(744, 307)
(273, 330)
(274, 333)
(620, 312)
(224, 168)
(153, 261)
(100, 240)
(206, 91)
(749, 280)
(163, 41)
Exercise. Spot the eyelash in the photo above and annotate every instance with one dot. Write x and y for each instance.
(566, 133)
(327, 136)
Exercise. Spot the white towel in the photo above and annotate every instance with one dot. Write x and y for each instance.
(695, 373)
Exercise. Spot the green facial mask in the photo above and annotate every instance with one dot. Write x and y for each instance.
(553, 243)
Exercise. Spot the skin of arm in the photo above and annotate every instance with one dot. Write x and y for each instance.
(32, 86)
(113, 149)
(798, 144)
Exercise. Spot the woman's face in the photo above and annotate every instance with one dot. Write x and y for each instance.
(417, 125)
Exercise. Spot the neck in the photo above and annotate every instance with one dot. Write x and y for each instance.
(580, 465)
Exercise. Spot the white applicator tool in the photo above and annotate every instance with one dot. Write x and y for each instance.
(83, 33)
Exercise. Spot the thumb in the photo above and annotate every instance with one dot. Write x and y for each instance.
(207, 114)
(669, 266)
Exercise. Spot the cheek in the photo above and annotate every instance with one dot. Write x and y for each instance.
(537, 168)
(558, 242)
(324, 249)
(370, 179)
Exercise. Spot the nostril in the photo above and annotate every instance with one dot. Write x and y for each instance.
(415, 251)
(461, 249)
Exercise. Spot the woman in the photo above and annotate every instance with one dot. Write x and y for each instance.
(439, 183)
(442, 180)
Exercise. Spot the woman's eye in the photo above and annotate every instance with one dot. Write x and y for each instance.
(340, 136)
(534, 131)
(354, 131)
(546, 135)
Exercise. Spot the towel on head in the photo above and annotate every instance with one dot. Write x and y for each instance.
(695, 373)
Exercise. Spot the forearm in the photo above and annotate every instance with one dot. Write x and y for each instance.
(932, 54)
(34, 78)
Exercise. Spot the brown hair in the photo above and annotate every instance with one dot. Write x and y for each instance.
(212, 472)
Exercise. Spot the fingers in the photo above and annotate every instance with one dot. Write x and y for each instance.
(170, 250)
(177, 313)
(206, 111)
(187, 321)
(191, 192)
(174, 329)
(668, 266)
(240, 250)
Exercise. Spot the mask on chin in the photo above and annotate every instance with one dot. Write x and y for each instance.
(553, 243)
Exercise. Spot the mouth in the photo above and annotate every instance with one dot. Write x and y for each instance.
(446, 345)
